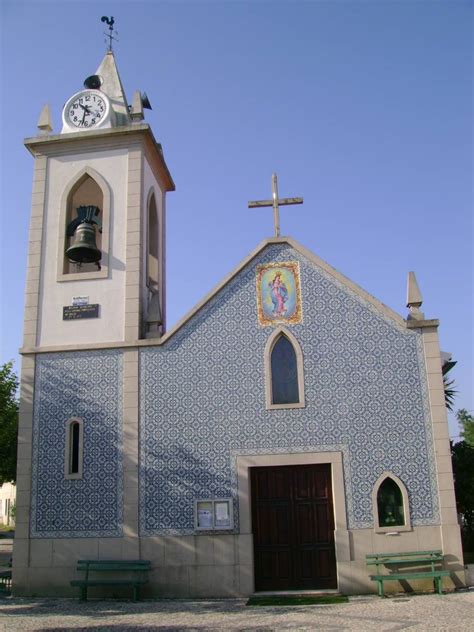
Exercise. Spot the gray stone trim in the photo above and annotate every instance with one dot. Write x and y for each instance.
(422, 324)
(163, 259)
(134, 241)
(21, 545)
(35, 246)
(450, 531)
(94, 140)
(131, 541)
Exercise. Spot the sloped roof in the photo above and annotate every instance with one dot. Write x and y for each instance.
(384, 310)
(113, 88)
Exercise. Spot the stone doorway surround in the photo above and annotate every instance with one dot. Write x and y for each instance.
(341, 533)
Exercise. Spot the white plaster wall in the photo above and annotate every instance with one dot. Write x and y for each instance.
(108, 292)
(7, 492)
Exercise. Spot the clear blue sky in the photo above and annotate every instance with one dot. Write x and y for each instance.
(364, 108)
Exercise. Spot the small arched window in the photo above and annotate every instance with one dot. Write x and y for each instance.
(153, 241)
(390, 500)
(284, 371)
(74, 448)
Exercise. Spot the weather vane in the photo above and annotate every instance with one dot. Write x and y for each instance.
(110, 21)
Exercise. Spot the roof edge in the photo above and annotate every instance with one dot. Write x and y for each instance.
(387, 311)
(381, 307)
(40, 144)
(216, 289)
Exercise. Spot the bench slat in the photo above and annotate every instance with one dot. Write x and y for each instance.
(111, 567)
(405, 554)
(140, 562)
(108, 582)
(401, 560)
(416, 575)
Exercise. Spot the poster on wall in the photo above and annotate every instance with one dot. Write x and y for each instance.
(204, 515)
(213, 514)
(279, 293)
(222, 514)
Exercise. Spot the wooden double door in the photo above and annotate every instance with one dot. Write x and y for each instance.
(293, 527)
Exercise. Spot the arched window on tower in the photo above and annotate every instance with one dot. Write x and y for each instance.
(390, 503)
(153, 241)
(87, 189)
(284, 371)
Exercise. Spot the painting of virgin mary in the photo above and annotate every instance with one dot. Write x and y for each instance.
(278, 293)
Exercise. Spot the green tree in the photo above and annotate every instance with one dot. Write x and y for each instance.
(449, 390)
(8, 423)
(466, 421)
(463, 468)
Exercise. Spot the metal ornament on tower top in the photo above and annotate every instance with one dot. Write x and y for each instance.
(110, 21)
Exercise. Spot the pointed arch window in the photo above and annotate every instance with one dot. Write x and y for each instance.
(74, 448)
(88, 188)
(153, 243)
(390, 504)
(284, 371)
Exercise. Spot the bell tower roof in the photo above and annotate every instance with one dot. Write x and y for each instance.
(112, 86)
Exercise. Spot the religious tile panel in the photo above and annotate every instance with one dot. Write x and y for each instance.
(203, 400)
(279, 293)
(87, 385)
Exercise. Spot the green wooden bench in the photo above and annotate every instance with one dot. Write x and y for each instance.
(136, 570)
(421, 565)
(6, 578)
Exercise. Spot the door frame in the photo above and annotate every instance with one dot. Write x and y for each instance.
(341, 533)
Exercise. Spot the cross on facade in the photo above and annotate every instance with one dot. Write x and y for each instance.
(275, 202)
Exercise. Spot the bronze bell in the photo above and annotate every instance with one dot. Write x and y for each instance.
(84, 249)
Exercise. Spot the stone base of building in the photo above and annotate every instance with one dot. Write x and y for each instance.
(207, 566)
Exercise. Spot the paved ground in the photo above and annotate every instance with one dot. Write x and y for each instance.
(423, 612)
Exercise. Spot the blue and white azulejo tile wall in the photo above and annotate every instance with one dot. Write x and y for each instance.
(86, 385)
(202, 401)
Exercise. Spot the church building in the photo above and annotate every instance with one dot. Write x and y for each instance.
(289, 425)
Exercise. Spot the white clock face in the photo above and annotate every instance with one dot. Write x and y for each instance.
(86, 109)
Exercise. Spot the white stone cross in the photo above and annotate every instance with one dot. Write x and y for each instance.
(275, 202)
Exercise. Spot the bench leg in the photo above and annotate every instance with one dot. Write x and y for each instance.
(136, 593)
(380, 587)
(439, 585)
(83, 596)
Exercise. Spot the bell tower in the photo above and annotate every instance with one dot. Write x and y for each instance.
(96, 267)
